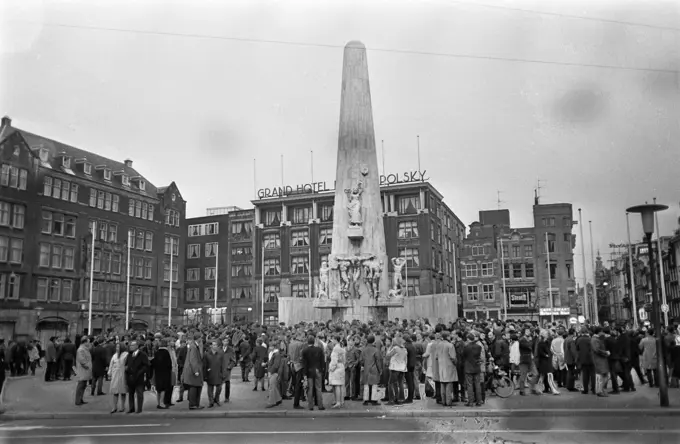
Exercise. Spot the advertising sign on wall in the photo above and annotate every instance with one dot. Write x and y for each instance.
(520, 296)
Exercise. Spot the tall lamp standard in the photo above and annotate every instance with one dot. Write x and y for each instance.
(647, 212)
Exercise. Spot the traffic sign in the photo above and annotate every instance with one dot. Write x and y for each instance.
(643, 314)
(664, 308)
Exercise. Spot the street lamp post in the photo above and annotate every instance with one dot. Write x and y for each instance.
(647, 212)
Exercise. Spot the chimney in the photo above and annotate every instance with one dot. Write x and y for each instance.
(128, 163)
(6, 123)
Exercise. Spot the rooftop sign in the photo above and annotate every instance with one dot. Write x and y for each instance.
(321, 187)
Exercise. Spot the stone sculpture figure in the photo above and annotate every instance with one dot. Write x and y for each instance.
(372, 273)
(323, 280)
(356, 276)
(397, 281)
(343, 266)
(354, 204)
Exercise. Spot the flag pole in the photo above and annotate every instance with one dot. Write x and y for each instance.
(632, 275)
(592, 256)
(383, 156)
(406, 270)
(418, 138)
(312, 154)
(170, 290)
(262, 285)
(552, 309)
(89, 312)
(662, 281)
(254, 179)
(505, 294)
(217, 261)
(127, 285)
(586, 306)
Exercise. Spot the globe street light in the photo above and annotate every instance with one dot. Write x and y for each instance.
(647, 212)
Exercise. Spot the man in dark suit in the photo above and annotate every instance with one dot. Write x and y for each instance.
(51, 360)
(99, 365)
(585, 360)
(68, 355)
(472, 356)
(136, 371)
(313, 361)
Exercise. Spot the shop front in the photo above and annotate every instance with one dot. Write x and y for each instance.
(522, 304)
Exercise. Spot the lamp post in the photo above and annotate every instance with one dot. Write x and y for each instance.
(647, 212)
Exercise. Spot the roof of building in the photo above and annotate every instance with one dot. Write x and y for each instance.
(56, 148)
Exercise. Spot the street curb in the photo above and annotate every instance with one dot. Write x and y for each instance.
(255, 414)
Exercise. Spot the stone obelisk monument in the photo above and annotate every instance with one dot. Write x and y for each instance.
(355, 281)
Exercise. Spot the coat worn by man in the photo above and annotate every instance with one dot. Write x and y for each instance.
(584, 348)
(501, 352)
(228, 362)
(599, 355)
(193, 364)
(161, 366)
(570, 351)
(84, 364)
(260, 358)
(371, 363)
(213, 367)
(99, 362)
(445, 362)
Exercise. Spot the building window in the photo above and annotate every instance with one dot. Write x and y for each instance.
(488, 292)
(301, 215)
(115, 203)
(408, 229)
(191, 295)
(148, 241)
(411, 255)
(41, 294)
(164, 297)
(568, 271)
(548, 221)
(325, 236)
(299, 238)
(506, 271)
(195, 230)
(209, 293)
(87, 168)
(477, 250)
(194, 250)
(326, 213)
(138, 211)
(242, 229)
(171, 217)
(55, 290)
(44, 260)
(553, 271)
(107, 201)
(113, 233)
(212, 228)
(271, 293)
(551, 243)
(242, 270)
(529, 270)
(145, 210)
(211, 249)
(209, 273)
(137, 296)
(115, 263)
(242, 293)
(18, 216)
(16, 251)
(271, 218)
(487, 268)
(46, 222)
(299, 264)
(413, 286)
(100, 199)
(69, 258)
(470, 270)
(56, 190)
(528, 251)
(517, 271)
(272, 266)
(515, 251)
(567, 237)
(408, 204)
(5, 213)
(66, 290)
(139, 267)
(193, 274)
(172, 244)
(148, 268)
(472, 293)
(57, 251)
(566, 221)
(300, 290)
(272, 241)
(242, 251)
(166, 271)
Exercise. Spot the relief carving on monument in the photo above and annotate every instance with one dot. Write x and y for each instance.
(372, 273)
(322, 292)
(354, 231)
(397, 282)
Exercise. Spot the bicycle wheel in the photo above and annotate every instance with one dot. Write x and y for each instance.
(504, 387)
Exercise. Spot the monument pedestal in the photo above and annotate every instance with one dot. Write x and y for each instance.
(378, 309)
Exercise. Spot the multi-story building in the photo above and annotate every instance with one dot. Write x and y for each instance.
(295, 233)
(54, 200)
(487, 268)
(220, 261)
(671, 268)
(498, 259)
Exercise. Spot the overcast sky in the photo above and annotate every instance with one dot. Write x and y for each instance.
(244, 80)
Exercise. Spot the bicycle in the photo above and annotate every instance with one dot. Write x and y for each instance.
(499, 383)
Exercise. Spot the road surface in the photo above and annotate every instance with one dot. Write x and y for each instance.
(137, 428)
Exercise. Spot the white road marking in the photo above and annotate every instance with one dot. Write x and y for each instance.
(24, 428)
(353, 432)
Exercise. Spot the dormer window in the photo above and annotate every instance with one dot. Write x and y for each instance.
(66, 161)
(142, 185)
(125, 179)
(107, 174)
(44, 154)
(87, 168)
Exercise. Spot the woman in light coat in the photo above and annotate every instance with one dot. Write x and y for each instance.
(117, 376)
(336, 375)
(648, 360)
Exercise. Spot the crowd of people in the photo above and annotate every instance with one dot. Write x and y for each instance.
(410, 359)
